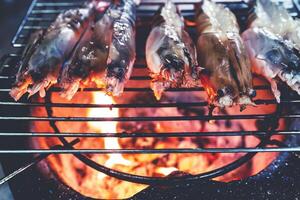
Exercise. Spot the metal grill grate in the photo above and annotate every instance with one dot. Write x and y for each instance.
(40, 15)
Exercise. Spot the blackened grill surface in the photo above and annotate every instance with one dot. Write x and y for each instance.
(279, 181)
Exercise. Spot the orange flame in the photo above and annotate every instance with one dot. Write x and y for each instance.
(107, 127)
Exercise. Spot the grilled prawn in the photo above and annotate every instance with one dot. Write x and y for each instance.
(46, 52)
(273, 40)
(87, 65)
(122, 52)
(276, 18)
(170, 52)
(274, 58)
(227, 75)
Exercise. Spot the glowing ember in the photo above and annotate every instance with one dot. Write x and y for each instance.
(166, 170)
(94, 184)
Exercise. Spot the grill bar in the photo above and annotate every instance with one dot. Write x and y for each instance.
(137, 78)
(139, 105)
(152, 151)
(137, 119)
(31, 164)
(154, 135)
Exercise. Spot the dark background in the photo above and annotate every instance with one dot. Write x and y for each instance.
(11, 14)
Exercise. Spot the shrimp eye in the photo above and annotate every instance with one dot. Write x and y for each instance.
(252, 93)
(294, 61)
(206, 72)
(171, 61)
(220, 93)
(274, 56)
(228, 90)
(116, 69)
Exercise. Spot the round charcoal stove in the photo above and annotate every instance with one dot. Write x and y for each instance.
(32, 178)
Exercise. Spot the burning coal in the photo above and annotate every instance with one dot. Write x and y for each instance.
(94, 184)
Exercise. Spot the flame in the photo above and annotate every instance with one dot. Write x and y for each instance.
(166, 170)
(211, 93)
(107, 127)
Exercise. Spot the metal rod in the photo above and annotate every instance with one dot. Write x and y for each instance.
(24, 21)
(3, 59)
(73, 4)
(153, 135)
(138, 119)
(58, 4)
(32, 163)
(138, 105)
(131, 105)
(134, 78)
(151, 151)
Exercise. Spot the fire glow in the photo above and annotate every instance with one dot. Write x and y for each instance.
(92, 183)
(107, 127)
